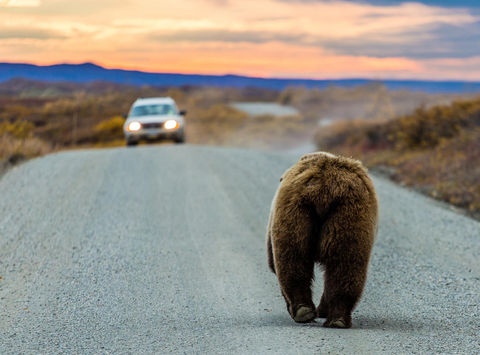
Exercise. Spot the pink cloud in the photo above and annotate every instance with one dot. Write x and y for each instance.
(254, 37)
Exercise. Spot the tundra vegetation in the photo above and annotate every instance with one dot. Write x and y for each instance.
(435, 148)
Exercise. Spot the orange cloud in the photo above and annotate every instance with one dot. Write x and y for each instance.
(20, 3)
(253, 37)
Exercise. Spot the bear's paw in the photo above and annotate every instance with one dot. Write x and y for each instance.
(304, 314)
(336, 323)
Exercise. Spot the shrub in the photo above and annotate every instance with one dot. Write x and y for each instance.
(436, 150)
(17, 129)
(109, 130)
(427, 128)
(29, 147)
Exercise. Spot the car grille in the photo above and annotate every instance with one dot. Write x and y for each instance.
(152, 125)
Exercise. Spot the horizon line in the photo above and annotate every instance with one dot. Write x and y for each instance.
(370, 79)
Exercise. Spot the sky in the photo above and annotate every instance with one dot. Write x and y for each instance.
(320, 39)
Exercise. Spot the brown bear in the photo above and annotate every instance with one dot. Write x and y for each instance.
(325, 211)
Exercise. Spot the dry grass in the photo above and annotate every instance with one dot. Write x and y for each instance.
(450, 171)
(436, 151)
(27, 147)
(90, 117)
(17, 140)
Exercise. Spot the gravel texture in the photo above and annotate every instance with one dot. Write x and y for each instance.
(160, 249)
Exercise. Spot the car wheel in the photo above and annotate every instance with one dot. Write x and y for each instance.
(180, 138)
(131, 143)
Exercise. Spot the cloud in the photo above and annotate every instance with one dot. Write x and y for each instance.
(26, 28)
(227, 36)
(218, 2)
(429, 37)
(438, 41)
(49, 8)
(442, 3)
(411, 30)
(20, 3)
(324, 38)
(26, 33)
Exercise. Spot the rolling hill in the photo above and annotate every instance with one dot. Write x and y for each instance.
(89, 72)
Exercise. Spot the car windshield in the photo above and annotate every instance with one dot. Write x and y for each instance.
(149, 110)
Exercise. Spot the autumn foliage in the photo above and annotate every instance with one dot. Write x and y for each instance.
(436, 150)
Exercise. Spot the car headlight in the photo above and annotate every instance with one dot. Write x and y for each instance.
(134, 126)
(170, 124)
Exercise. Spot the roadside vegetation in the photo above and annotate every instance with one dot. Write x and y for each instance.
(40, 117)
(17, 143)
(435, 150)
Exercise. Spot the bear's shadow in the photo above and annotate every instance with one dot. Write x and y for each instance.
(360, 322)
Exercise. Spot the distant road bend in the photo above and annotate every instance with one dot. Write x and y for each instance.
(160, 249)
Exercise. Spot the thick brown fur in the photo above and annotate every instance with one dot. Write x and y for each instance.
(324, 211)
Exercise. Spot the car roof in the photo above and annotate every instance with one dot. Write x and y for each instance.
(153, 101)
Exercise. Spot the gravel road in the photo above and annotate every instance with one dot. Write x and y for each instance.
(160, 249)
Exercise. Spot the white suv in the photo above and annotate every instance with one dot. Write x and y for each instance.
(154, 118)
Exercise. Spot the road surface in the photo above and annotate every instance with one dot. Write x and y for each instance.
(160, 249)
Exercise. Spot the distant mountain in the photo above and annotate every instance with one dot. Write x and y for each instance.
(88, 72)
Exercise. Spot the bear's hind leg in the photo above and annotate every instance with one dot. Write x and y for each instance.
(343, 288)
(295, 273)
(344, 251)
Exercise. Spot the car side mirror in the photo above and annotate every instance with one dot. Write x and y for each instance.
(183, 112)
